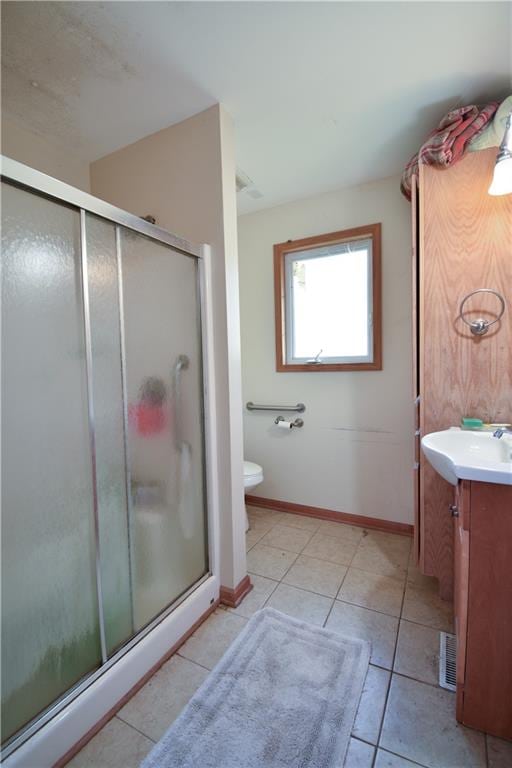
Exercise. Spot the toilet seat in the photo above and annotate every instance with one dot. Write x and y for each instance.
(253, 474)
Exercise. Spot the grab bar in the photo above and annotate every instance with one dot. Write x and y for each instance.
(181, 364)
(300, 407)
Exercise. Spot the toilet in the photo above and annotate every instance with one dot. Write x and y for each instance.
(253, 476)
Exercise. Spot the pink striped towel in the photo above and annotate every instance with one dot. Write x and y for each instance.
(447, 143)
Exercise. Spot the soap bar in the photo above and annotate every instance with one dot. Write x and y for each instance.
(470, 423)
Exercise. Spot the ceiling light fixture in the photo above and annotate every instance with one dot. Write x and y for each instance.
(502, 178)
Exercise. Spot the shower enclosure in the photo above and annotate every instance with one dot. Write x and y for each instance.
(104, 478)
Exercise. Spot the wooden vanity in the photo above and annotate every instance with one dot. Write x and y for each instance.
(483, 605)
(461, 241)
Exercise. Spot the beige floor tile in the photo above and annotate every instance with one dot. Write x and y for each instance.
(420, 724)
(388, 541)
(160, 701)
(416, 577)
(499, 752)
(371, 707)
(261, 590)
(384, 554)
(334, 549)
(359, 755)
(387, 760)
(252, 537)
(417, 653)
(117, 745)
(211, 640)
(302, 522)
(383, 563)
(261, 512)
(269, 561)
(261, 524)
(369, 590)
(424, 606)
(316, 575)
(302, 605)
(285, 537)
(380, 629)
(341, 530)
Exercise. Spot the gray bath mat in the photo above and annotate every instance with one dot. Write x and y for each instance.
(284, 695)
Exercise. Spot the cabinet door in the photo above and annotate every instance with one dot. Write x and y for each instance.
(488, 673)
(461, 552)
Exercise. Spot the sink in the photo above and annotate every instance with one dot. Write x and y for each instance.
(458, 454)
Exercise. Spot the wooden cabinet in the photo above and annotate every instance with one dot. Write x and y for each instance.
(483, 606)
(462, 240)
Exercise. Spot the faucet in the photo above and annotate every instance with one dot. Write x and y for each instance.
(501, 431)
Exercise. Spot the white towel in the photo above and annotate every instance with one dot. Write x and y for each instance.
(186, 512)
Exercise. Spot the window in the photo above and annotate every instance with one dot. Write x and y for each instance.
(327, 294)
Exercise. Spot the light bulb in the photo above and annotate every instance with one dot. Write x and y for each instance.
(502, 178)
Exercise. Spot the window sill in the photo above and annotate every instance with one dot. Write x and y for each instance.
(327, 367)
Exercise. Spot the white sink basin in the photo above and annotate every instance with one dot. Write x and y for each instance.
(458, 454)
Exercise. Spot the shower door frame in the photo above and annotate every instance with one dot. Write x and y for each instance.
(79, 710)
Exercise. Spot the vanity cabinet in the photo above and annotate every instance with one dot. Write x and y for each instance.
(461, 241)
(483, 606)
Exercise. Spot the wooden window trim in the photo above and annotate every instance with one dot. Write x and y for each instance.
(372, 231)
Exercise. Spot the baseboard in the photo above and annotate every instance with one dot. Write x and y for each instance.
(75, 749)
(388, 526)
(233, 597)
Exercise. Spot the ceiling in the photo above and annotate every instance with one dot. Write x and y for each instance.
(324, 94)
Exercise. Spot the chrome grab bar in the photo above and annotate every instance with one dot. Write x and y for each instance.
(300, 407)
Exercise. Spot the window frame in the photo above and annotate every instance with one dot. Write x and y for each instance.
(282, 304)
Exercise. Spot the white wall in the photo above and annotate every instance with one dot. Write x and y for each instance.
(41, 153)
(184, 175)
(355, 451)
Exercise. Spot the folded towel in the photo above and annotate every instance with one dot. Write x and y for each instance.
(448, 142)
(492, 134)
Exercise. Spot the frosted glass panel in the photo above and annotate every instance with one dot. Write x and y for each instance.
(50, 636)
(148, 445)
(165, 410)
(107, 394)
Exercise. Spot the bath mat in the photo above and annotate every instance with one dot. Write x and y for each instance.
(284, 695)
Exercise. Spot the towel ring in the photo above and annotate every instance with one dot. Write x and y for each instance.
(480, 326)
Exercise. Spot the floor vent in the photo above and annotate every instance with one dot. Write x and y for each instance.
(447, 661)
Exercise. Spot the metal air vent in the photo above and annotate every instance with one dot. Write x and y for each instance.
(447, 661)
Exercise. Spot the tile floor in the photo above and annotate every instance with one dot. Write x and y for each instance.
(349, 580)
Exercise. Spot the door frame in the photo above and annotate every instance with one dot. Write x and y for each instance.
(52, 735)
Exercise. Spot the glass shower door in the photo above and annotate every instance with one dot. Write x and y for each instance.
(164, 394)
(102, 303)
(50, 625)
(104, 515)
